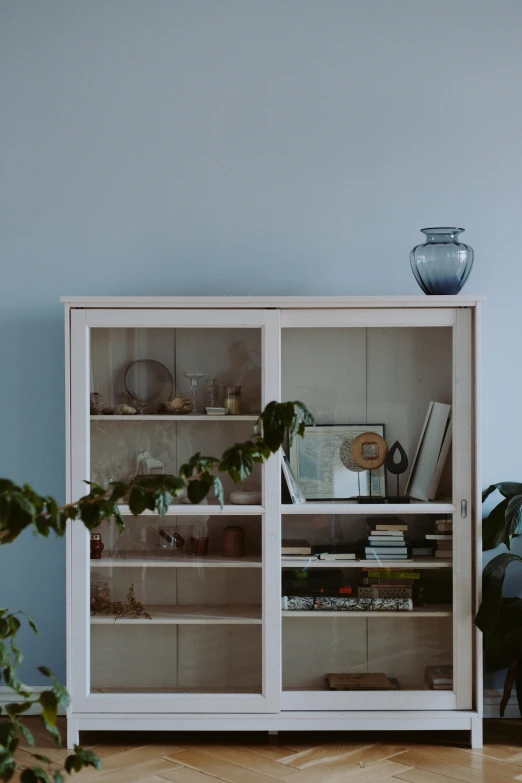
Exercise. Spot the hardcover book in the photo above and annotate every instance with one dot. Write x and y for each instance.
(295, 546)
(358, 682)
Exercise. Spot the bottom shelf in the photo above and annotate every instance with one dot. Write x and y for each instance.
(175, 615)
(424, 611)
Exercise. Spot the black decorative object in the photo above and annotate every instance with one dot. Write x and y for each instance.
(397, 468)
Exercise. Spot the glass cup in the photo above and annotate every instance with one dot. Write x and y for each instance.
(232, 399)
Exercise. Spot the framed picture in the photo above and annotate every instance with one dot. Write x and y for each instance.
(317, 463)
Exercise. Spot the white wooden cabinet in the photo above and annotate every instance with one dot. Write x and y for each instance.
(219, 652)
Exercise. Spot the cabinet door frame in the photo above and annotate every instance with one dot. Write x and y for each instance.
(78, 560)
(464, 389)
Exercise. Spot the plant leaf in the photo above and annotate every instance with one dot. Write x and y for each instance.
(49, 702)
(492, 581)
(513, 519)
(197, 490)
(493, 527)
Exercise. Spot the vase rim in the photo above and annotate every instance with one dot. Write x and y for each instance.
(442, 230)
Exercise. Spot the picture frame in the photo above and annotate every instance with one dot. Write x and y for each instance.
(316, 462)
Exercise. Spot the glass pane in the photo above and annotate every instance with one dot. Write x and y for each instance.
(346, 615)
(382, 379)
(176, 603)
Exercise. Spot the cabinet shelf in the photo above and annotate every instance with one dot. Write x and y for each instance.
(399, 565)
(172, 560)
(166, 417)
(212, 509)
(193, 615)
(424, 611)
(363, 509)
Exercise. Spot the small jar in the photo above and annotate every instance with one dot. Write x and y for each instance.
(199, 545)
(97, 546)
(100, 596)
(232, 399)
(233, 541)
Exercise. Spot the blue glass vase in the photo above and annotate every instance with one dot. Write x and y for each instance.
(442, 264)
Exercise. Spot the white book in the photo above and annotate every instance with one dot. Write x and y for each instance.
(439, 537)
(387, 534)
(432, 450)
(379, 542)
(337, 556)
(296, 493)
(388, 557)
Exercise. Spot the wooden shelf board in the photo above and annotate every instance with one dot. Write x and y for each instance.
(165, 559)
(363, 509)
(166, 690)
(187, 417)
(400, 565)
(195, 615)
(425, 611)
(212, 509)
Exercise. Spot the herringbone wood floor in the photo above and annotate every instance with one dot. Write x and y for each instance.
(297, 757)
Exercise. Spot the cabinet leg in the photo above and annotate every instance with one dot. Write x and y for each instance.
(73, 733)
(272, 736)
(476, 732)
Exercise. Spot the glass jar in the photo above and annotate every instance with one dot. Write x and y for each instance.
(442, 264)
(211, 393)
(100, 595)
(169, 538)
(232, 399)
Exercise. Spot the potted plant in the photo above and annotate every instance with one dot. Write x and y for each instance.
(500, 617)
(21, 507)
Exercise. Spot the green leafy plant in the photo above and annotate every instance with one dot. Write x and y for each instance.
(500, 617)
(21, 507)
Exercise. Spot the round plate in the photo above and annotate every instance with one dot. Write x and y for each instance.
(148, 382)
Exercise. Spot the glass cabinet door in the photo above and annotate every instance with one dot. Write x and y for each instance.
(376, 612)
(170, 613)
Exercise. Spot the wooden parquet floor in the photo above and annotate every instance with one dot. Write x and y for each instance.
(306, 757)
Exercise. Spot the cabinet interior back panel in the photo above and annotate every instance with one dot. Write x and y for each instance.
(370, 376)
(116, 444)
(231, 356)
(326, 369)
(319, 646)
(133, 656)
(222, 657)
(403, 648)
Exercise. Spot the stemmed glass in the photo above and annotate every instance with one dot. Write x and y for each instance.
(194, 378)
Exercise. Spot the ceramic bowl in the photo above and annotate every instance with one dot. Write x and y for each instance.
(246, 497)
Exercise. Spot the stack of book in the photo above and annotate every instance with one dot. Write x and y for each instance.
(443, 536)
(386, 542)
(438, 678)
(388, 584)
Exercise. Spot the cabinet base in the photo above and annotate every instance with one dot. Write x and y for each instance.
(283, 721)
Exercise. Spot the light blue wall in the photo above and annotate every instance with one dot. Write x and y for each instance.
(242, 147)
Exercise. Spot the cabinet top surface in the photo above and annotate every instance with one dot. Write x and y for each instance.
(271, 301)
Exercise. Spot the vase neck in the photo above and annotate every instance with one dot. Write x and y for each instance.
(442, 234)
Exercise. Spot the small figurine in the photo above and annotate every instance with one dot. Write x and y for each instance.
(147, 465)
(396, 468)
(97, 546)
